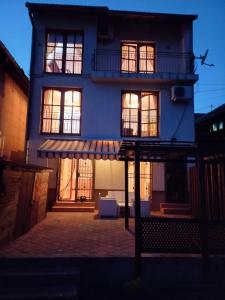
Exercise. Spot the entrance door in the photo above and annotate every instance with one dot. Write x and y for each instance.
(76, 179)
(84, 186)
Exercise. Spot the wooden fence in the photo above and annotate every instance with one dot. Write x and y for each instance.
(23, 198)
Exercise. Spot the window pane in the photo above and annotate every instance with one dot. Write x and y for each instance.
(129, 58)
(56, 97)
(68, 112)
(68, 100)
(146, 59)
(74, 54)
(55, 126)
(72, 102)
(153, 102)
(56, 112)
(54, 53)
(51, 111)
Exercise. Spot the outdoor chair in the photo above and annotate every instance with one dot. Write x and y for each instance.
(145, 208)
(108, 207)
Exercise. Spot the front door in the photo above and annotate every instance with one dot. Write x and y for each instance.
(84, 186)
(76, 179)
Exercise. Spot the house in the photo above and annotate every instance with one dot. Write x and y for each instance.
(100, 77)
(211, 126)
(14, 86)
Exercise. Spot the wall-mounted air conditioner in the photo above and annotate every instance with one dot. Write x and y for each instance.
(181, 94)
(105, 31)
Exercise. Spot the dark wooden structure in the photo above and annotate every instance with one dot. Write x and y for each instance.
(203, 232)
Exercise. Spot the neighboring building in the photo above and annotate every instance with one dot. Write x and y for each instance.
(13, 108)
(211, 126)
(99, 77)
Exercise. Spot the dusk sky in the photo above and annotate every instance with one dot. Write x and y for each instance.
(209, 33)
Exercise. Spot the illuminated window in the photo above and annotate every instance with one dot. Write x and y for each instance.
(220, 125)
(137, 58)
(139, 114)
(61, 111)
(64, 53)
(145, 179)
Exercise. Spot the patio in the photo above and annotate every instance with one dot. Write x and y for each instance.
(74, 235)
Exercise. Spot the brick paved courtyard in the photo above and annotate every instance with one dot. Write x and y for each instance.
(75, 235)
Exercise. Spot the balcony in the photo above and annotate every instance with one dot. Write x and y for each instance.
(110, 65)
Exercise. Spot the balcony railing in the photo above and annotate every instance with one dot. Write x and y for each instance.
(160, 62)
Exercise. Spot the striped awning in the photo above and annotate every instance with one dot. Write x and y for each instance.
(85, 149)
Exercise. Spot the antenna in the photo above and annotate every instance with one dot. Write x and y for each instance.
(203, 59)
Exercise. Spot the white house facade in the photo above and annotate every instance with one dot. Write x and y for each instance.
(100, 77)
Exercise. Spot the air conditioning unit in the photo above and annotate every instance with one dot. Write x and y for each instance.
(105, 31)
(181, 93)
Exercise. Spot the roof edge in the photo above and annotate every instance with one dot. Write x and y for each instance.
(104, 9)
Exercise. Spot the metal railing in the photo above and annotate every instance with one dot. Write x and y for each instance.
(160, 62)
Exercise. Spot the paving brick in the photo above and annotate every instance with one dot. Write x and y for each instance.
(76, 235)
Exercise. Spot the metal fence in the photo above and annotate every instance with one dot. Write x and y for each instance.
(161, 62)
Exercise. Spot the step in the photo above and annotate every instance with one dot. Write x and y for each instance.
(38, 279)
(72, 209)
(39, 292)
(174, 205)
(175, 211)
(73, 203)
(43, 277)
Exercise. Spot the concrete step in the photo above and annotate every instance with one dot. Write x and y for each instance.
(39, 292)
(38, 280)
(175, 211)
(174, 205)
(72, 209)
(75, 204)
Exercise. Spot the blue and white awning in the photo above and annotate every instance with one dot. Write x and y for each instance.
(85, 149)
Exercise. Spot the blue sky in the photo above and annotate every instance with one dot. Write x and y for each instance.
(209, 33)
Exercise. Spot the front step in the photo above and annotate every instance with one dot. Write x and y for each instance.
(72, 209)
(175, 208)
(38, 280)
(73, 203)
(72, 206)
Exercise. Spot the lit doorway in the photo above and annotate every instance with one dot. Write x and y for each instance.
(76, 180)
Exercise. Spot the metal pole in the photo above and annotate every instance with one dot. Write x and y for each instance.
(137, 210)
(126, 196)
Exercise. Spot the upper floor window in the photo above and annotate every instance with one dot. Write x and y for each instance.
(140, 114)
(137, 58)
(64, 53)
(61, 111)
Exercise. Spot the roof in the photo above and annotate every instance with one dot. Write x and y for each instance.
(211, 115)
(10, 65)
(105, 10)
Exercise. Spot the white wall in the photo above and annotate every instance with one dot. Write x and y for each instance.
(109, 175)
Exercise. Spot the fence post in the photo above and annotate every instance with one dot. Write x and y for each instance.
(204, 223)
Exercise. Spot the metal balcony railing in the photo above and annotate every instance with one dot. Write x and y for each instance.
(159, 62)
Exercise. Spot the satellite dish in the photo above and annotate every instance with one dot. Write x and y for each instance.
(203, 59)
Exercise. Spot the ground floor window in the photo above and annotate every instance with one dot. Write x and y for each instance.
(76, 179)
(145, 179)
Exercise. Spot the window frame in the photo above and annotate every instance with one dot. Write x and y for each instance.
(155, 93)
(61, 120)
(138, 45)
(64, 33)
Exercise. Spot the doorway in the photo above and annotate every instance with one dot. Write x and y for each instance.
(76, 178)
